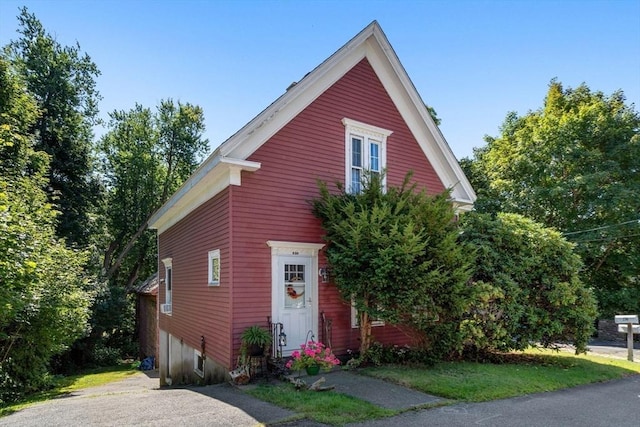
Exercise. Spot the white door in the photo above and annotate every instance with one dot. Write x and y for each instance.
(295, 304)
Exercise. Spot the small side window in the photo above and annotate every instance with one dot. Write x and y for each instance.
(167, 307)
(198, 363)
(214, 268)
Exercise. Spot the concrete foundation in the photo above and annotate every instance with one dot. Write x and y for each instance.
(176, 364)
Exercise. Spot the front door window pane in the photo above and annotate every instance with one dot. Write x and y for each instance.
(294, 284)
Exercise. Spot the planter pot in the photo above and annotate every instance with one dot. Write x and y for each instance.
(240, 376)
(256, 350)
(313, 370)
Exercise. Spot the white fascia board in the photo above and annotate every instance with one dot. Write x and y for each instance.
(209, 179)
(397, 83)
(212, 177)
(370, 43)
(255, 133)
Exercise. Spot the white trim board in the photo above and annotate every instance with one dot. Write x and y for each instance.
(370, 43)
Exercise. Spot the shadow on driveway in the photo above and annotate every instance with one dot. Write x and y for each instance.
(138, 400)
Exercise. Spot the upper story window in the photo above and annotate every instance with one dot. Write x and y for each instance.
(214, 267)
(365, 150)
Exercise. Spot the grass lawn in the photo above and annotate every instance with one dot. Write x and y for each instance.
(326, 407)
(524, 373)
(69, 384)
(533, 371)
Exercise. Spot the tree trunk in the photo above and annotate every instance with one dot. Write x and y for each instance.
(365, 332)
(118, 262)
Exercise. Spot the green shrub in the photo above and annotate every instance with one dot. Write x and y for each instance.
(106, 356)
(533, 293)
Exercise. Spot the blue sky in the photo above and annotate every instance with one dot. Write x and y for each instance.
(472, 60)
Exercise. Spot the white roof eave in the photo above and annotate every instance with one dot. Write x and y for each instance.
(370, 43)
(210, 179)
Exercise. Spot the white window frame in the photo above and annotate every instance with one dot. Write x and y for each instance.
(369, 135)
(168, 282)
(197, 355)
(354, 318)
(213, 257)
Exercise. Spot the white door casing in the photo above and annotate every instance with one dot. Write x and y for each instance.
(294, 290)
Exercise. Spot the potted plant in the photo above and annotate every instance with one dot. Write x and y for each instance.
(312, 357)
(255, 341)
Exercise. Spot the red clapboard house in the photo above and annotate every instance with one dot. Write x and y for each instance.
(238, 244)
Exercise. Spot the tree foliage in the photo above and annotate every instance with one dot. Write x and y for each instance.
(394, 254)
(533, 290)
(49, 105)
(145, 156)
(43, 297)
(574, 165)
(61, 80)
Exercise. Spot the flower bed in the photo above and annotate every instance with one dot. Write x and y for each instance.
(312, 354)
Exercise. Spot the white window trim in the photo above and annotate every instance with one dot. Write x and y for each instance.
(369, 134)
(168, 293)
(354, 318)
(213, 255)
(196, 355)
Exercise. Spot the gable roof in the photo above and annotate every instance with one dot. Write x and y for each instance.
(224, 166)
(149, 286)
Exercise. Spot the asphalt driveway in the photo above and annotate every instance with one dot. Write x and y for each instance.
(138, 401)
(613, 403)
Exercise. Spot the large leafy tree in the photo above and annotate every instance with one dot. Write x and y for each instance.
(394, 254)
(62, 82)
(574, 164)
(43, 297)
(534, 294)
(146, 156)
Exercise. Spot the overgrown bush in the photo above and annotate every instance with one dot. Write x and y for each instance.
(533, 293)
(393, 252)
(380, 354)
(106, 356)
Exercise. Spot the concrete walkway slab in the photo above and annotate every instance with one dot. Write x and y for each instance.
(378, 392)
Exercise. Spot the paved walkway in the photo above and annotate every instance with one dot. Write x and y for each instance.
(613, 403)
(138, 401)
(378, 392)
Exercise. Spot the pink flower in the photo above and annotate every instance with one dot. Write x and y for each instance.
(310, 354)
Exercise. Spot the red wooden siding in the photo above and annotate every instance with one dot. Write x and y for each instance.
(199, 309)
(147, 325)
(272, 203)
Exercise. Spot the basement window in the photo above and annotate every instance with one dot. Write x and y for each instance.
(198, 363)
